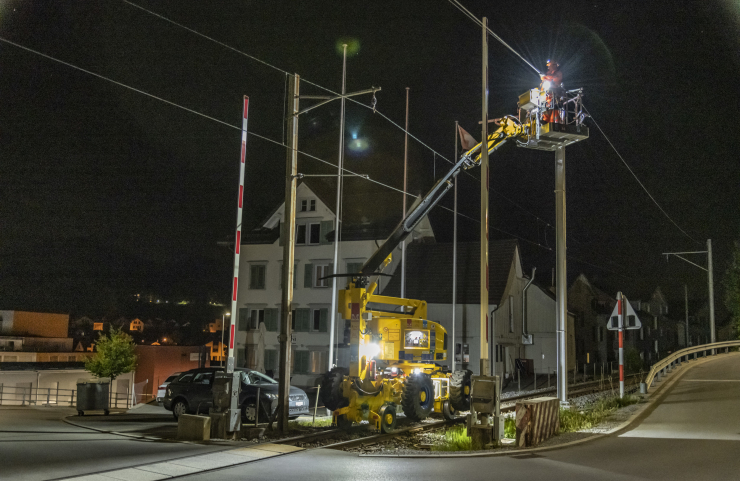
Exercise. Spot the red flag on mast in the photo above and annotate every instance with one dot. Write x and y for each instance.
(467, 141)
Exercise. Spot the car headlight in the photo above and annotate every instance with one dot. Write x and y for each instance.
(169, 391)
(271, 397)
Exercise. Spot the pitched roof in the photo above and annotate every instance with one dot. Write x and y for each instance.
(366, 215)
(429, 272)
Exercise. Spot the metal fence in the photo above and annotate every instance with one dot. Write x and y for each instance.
(49, 396)
(666, 364)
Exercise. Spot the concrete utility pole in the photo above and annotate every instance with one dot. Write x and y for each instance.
(710, 284)
(485, 368)
(561, 278)
(286, 314)
(405, 177)
(454, 258)
(340, 167)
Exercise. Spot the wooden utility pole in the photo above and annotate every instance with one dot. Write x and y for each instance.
(291, 171)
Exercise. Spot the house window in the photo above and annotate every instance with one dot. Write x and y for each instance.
(317, 362)
(255, 317)
(308, 205)
(642, 334)
(318, 319)
(354, 267)
(656, 347)
(300, 234)
(257, 276)
(321, 270)
(511, 313)
(314, 233)
(308, 234)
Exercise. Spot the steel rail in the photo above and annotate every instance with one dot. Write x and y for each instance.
(666, 364)
(376, 438)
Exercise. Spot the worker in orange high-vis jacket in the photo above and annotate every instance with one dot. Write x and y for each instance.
(552, 80)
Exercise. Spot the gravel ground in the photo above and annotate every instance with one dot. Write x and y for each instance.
(421, 443)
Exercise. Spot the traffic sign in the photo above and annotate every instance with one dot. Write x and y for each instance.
(631, 321)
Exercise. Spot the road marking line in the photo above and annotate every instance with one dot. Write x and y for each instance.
(712, 380)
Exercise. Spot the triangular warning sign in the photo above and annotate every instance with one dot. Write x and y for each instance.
(631, 321)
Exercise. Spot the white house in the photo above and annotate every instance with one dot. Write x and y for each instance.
(429, 277)
(366, 224)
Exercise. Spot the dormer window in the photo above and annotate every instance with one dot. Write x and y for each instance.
(308, 205)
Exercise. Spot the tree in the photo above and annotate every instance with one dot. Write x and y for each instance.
(114, 356)
(732, 286)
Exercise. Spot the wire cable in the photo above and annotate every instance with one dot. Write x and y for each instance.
(467, 12)
(637, 179)
(373, 108)
(267, 139)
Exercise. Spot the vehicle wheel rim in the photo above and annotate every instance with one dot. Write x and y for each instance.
(179, 409)
(249, 412)
(389, 419)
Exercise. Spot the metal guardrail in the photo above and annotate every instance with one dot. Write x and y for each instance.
(665, 365)
(26, 396)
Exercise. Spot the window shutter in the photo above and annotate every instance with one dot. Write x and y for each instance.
(308, 276)
(243, 318)
(270, 359)
(271, 319)
(323, 318)
(241, 354)
(304, 318)
(326, 227)
(301, 362)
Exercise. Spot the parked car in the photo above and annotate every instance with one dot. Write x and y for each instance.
(163, 387)
(192, 393)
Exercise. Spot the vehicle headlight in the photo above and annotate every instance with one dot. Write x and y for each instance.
(169, 391)
(271, 397)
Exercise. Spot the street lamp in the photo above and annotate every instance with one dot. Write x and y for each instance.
(221, 346)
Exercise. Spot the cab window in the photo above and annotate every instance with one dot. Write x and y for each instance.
(186, 377)
(203, 378)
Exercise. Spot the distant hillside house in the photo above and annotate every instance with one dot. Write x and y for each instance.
(136, 325)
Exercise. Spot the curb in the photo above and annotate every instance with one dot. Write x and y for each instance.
(658, 395)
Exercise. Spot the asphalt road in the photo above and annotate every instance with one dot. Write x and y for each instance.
(692, 433)
(35, 444)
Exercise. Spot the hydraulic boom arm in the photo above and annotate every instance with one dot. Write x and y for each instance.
(508, 128)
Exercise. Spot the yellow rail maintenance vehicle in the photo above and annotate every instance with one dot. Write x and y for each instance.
(397, 356)
(392, 364)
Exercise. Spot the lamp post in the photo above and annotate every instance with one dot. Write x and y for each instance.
(221, 346)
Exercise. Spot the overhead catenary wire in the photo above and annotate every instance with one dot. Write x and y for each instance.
(637, 179)
(214, 119)
(304, 80)
(467, 13)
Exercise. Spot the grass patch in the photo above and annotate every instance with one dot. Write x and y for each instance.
(322, 422)
(591, 416)
(510, 428)
(455, 439)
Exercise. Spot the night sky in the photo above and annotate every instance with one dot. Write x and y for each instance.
(107, 192)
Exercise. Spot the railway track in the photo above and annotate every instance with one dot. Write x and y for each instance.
(507, 405)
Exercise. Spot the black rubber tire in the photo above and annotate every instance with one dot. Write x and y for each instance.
(176, 412)
(387, 412)
(459, 398)
(331, 389)
(251, 403)
(449, 412)
(417, 399)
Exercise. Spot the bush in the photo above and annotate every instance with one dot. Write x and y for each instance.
(455, 439)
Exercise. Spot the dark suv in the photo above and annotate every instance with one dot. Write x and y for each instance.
(192, 392)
